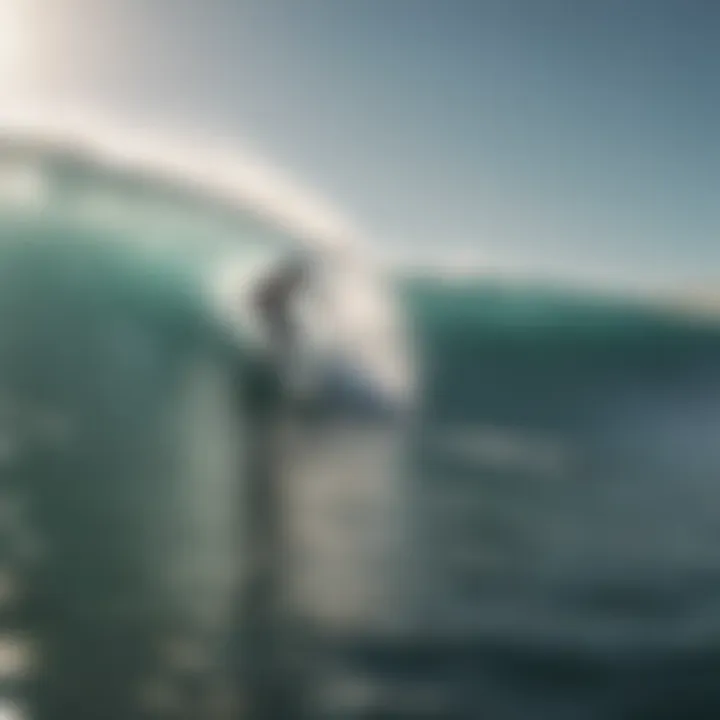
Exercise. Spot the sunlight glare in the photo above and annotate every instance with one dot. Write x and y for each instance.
(11, 44)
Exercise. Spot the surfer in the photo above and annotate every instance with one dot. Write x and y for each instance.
(274, 301)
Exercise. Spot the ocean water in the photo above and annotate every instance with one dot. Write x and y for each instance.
(565, 507)
(117, 476)
(546, 546)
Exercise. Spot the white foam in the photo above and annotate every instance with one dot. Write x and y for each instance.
(222, 170)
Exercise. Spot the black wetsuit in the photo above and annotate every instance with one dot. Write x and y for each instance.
(274, 302)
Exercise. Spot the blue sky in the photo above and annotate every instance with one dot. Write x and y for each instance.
(578, 139)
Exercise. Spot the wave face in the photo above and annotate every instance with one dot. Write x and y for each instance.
(121, 441)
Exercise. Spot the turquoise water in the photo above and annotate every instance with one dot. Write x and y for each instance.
(108, 362)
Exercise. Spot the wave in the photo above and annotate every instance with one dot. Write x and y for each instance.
(230, 213)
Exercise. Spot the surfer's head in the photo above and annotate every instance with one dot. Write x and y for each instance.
(294, 270)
